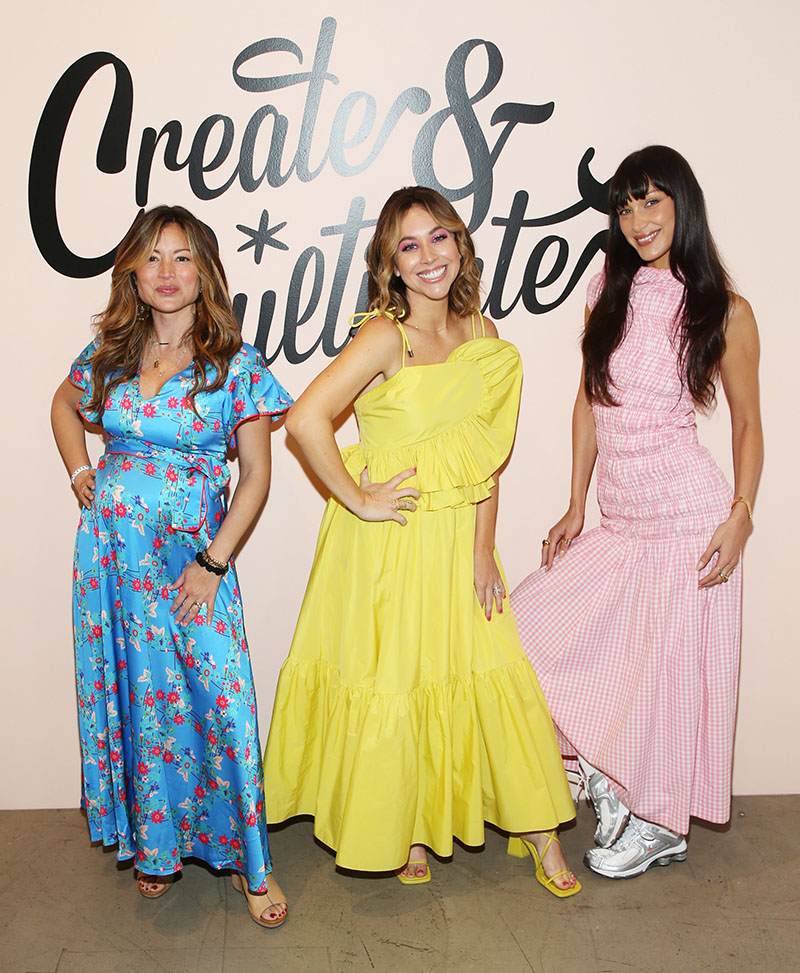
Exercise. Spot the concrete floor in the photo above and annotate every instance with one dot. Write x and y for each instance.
(67, 906)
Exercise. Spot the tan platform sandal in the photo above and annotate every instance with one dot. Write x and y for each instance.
(260, 902)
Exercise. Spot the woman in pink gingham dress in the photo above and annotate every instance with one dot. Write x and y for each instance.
(633, 628)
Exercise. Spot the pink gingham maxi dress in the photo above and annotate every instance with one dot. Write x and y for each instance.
(638, 666)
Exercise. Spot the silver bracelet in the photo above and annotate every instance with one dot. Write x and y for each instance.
(80, 469)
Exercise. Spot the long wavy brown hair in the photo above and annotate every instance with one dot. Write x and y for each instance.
(385, 289)
(215, 334)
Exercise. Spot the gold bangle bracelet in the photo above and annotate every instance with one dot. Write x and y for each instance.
(747, 504)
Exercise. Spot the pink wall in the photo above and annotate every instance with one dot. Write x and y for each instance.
(720, 89)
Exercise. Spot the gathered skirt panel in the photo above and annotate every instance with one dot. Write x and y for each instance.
(402, 715)
(640, 667)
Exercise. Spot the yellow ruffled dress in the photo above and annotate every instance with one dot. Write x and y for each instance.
(402, 715)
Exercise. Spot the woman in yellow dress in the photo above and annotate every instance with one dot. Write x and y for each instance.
(407, 713)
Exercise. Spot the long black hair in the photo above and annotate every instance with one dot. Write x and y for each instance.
(694, 261)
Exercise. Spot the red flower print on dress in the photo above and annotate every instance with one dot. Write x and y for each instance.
(199, 792)
(158, 675)
(97, 631)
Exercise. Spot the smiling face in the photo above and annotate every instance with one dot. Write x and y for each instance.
(169, 281)
(649, 225)
(427, 257)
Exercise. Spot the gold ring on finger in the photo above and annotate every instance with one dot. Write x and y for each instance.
(545, 543)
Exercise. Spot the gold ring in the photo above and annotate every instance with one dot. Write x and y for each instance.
(545, 543)
(197, 604)
(723, 577)
(566, 541)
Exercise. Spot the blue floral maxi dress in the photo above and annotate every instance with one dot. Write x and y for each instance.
(167, 714)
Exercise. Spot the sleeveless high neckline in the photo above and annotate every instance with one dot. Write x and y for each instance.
(661, 277)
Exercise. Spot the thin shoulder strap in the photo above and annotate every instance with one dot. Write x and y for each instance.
(393, 315)
(483, 324)
(407, 352)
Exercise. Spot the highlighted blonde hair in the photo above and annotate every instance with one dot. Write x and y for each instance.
(385, 289)
(215, 333)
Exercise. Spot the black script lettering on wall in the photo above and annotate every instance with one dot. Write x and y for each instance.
(219, 157)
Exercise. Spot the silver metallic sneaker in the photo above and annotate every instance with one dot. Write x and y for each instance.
(612, 814)
(642, 844)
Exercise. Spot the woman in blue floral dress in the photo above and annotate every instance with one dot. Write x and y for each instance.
(167, 708)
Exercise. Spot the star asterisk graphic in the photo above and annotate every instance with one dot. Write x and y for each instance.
(262, 237)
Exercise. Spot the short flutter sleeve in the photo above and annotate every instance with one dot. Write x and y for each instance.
(252, 391)
(80, 375)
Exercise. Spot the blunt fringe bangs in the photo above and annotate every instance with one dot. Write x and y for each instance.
(694, 261)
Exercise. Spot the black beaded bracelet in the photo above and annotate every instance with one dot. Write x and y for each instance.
(205, 560)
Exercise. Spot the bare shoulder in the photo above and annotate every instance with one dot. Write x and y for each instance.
(490, 328)
(378, 335)
(378, 341)
(741, 324)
